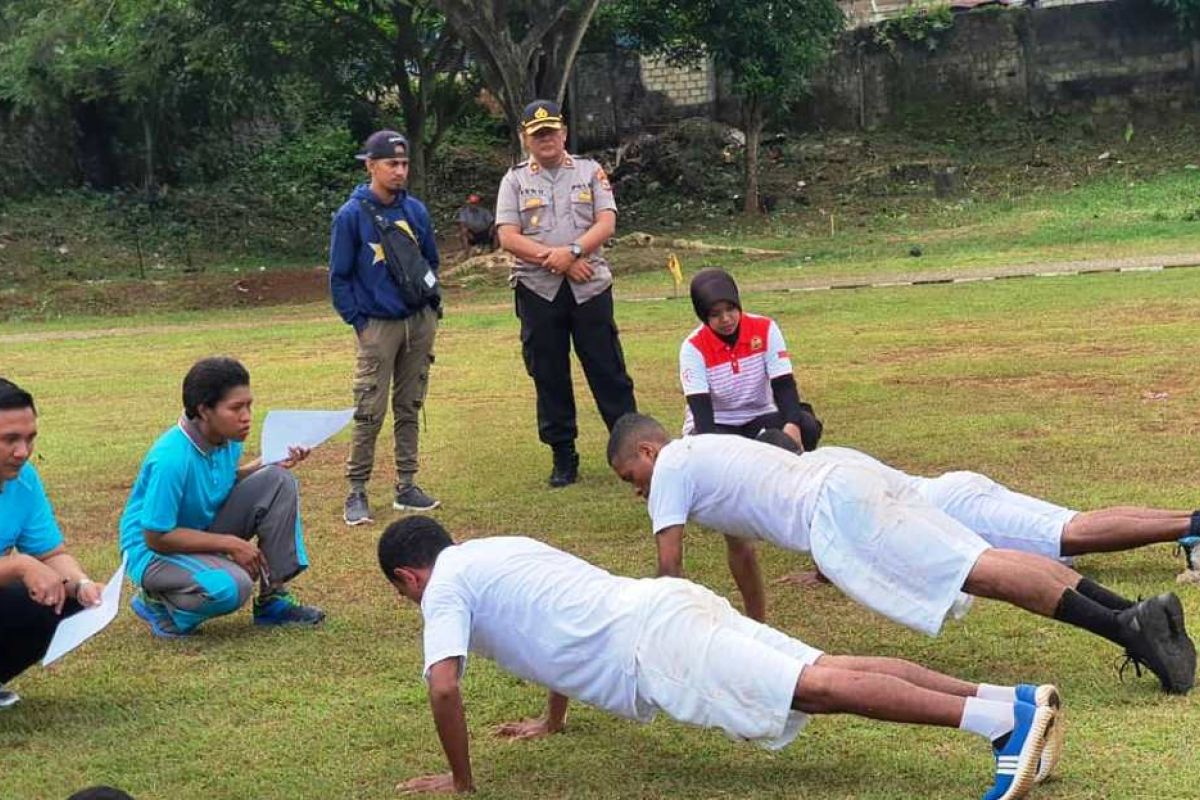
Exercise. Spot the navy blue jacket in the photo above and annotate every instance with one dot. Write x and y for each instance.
(359, 279)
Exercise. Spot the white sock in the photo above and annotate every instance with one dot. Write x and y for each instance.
(1000, 694)
(987, 718)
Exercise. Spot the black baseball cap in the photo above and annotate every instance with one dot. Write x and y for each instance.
(384, 144)
(541, 114)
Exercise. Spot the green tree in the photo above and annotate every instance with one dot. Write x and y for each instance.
(525, 49)
(399, 57)
(770, 49)
(102, 66)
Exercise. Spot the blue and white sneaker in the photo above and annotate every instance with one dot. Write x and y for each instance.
(8, 698)
(1187, 545)
(155, 614)
(1046, 695)
(1017, 753)
(282, 608)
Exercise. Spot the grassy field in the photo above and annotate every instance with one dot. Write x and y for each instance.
(1080, 389)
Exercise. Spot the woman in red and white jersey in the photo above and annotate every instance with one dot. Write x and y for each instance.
(736, 371)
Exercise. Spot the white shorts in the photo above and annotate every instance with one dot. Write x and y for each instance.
(701, 662)
(1002, 517)
(887, 548)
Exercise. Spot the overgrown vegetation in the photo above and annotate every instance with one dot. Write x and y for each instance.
(922, 24)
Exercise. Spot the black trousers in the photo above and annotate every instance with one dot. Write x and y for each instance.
(548, 330)
(810, 426)
(26, 629)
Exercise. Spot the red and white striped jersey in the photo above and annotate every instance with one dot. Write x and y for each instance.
(737, 377)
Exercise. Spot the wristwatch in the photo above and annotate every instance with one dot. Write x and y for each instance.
(576, 249)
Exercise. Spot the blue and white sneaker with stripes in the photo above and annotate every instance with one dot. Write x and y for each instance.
(1017, 753)
(155, 614)
(1046, 695)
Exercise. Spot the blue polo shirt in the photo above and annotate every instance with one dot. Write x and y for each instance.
(183, 483)
(26, 519)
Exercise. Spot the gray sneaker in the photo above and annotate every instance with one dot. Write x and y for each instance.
(411, 498)
(358, 511)
(8, 698)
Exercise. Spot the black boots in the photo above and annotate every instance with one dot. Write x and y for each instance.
(566, 466)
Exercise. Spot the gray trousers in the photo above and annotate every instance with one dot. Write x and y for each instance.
(395, 354)
(199, 586)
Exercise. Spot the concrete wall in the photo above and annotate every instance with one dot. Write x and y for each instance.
(1122, 56)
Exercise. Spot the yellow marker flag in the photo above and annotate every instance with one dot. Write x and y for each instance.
(676, 270)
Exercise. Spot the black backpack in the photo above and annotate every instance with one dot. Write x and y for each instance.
(416, 280)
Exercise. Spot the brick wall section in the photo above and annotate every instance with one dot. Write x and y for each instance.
(1123, 56)
(678, 86)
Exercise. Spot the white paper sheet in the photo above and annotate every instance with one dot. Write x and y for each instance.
(74, 631)
(284, 429)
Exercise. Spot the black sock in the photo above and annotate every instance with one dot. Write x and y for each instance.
(1104, 596)
(1082, 612)
(1194, 525)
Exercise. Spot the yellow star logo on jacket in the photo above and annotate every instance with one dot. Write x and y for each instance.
(377, 248)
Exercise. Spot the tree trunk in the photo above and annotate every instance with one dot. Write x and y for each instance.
(94, 137)
(753, 116)
(518, 70)
(416, 166)
(148, 143)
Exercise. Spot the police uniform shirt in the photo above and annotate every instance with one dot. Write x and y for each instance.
(556, 207)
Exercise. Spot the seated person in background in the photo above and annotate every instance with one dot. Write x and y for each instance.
(736, 371)
(41, 583)
(637, 647)
(476, 226)
(191, 514)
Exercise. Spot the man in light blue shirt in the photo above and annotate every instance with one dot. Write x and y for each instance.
(40, 582)
(189, 519)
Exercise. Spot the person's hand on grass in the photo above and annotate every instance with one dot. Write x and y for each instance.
(808, 579)
(432, 784)
(534, 728)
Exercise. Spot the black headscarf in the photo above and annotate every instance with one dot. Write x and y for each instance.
(709, 287)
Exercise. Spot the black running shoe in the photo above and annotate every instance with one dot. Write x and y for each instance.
(1155, 637)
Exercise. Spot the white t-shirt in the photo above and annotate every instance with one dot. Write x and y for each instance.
(739, 487)
(539, 613)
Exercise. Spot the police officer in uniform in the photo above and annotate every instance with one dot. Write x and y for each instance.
(553, 213)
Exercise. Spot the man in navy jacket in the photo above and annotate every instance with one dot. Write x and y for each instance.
(395, 342)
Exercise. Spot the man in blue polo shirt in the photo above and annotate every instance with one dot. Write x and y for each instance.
(187, 526)
(40, 583)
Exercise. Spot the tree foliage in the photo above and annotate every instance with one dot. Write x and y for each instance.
(770, 50)
(160, 77)
(524, 48)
